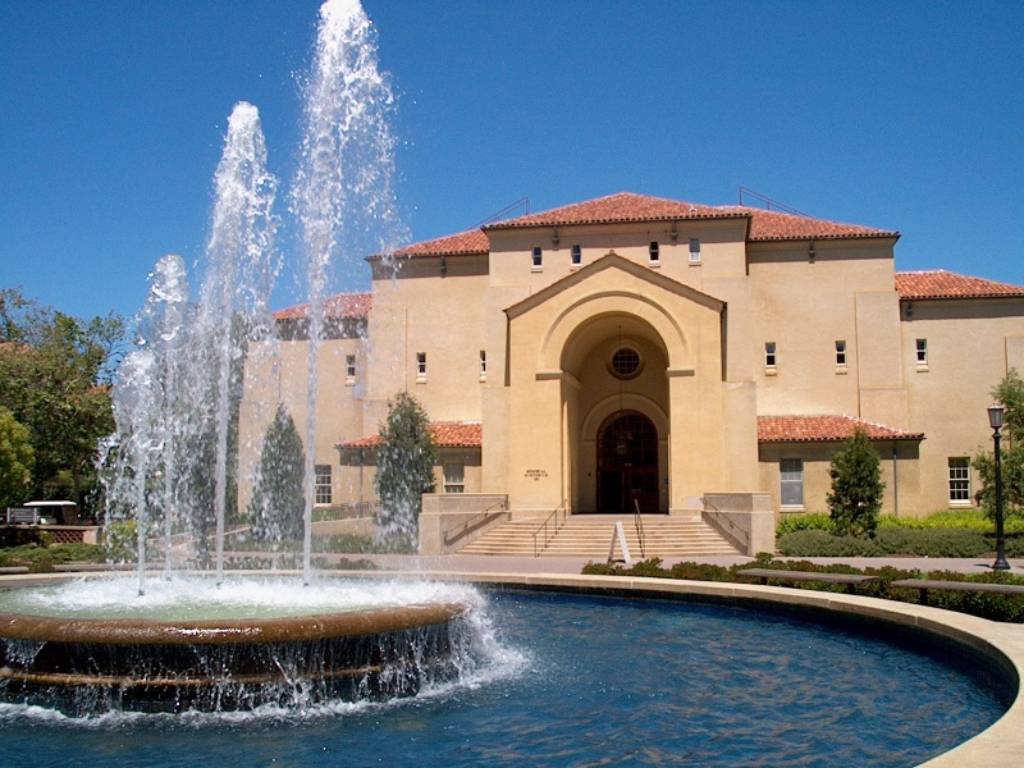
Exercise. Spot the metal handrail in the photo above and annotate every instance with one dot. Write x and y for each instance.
(450, 537)
(638, 521)
(543, 528)
(724, 522)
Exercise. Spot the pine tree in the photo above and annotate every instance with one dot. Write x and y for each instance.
(405, 469)
(856, 496)
(278, 504)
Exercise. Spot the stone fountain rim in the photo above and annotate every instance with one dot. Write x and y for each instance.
(278, 629)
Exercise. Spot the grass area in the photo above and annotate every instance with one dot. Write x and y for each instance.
(989, 606)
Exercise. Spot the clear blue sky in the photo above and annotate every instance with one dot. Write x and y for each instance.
(899, 115)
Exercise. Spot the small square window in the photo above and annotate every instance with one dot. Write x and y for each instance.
(421, 364)
(791, 488)
(350, 366)
(654, 251)
(322, 486)
(483, 363)
(959, 480)
(922, 352)
(840, 352)
(538, 257)
(454, 478)
(769, 354)
(577, 256)
(695, 250)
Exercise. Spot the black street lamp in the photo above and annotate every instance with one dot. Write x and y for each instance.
(996, 413)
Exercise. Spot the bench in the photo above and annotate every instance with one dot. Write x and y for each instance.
(923, 585)
(849, 580)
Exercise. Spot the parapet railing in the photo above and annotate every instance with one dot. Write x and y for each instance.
(638, 521)
(478, 520)
(549, 528)
(725, 524)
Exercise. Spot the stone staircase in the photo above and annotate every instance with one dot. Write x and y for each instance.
(590, 536)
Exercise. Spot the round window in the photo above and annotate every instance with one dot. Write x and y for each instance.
(625, 362)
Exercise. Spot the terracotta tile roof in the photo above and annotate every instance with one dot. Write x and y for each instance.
(775, 225)
(940, 284)
(446, 434)
(341, 306)
(823, 429)
(468, 242)
(630, 207)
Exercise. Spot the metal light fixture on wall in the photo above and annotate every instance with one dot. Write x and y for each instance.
(555, 239)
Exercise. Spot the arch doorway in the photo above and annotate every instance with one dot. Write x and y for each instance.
(627, 464)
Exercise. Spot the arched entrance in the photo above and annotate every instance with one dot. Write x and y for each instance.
(627, 464)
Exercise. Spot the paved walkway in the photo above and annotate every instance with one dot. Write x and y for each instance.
(496, 564)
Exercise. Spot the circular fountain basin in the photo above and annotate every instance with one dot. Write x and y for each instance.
(189, 644)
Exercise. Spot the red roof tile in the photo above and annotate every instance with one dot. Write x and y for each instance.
(823, 429)
(630, 207)
(464, 243)
(446, 434)
(940, 284)
(341, 306)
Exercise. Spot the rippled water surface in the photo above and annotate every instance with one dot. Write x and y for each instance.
(596, 682)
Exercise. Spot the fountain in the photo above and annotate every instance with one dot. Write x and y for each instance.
(186, 641)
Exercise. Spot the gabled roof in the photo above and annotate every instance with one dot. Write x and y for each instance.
(940, 284)
(341, 306)
(768, 226)
(608, 261)
(824, 429)
(446, 434)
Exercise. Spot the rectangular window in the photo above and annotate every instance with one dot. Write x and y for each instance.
(791, 489)
(538, 257)
(350, 366)
(922, 352)
(769, 354)
(840, 352)
(695, 250)
(483, 362)
(959, 480)
(323, 484)
(577, 255)
(654, 251)
(454, 478)
(421, 365)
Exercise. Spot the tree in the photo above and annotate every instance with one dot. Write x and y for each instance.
(1009, 392)
(277, 507)
(16, 460)
(55, 372)
(405, 468)
(856, 496)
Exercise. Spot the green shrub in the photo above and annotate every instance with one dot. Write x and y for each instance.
(972, 519)
(39, 559)
(921, 542)
(120, 539)
(814, 543)
(812, 521)
(856, 496)
(14, 536)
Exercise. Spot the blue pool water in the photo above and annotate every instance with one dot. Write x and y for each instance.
(590, 681)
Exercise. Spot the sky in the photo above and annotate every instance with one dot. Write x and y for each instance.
(906, 116)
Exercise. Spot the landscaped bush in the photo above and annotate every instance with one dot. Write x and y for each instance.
(120, 539)
(817, 543)
(41, 559)
(968, 519)
(812, 521)
(996, 607)
(922, 542)
(17, 536)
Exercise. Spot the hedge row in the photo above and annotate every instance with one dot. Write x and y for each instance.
(962, 519)
(933, 542)
(989, 606)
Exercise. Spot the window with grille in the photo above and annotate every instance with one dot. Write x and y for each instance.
(960, 480)
(625, 362)
(840, 352)
(769, 354)
(577, 255)
(791, 490)
(694, 250)
(538, 257)
(323, 484)
(454, 478)
(483, 362)
(421, 364)
(654, 251)
(922, 352)
(350, 366)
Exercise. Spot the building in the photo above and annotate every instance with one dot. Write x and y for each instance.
(637, 352)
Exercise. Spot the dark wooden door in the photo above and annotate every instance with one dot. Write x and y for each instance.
(627, 464)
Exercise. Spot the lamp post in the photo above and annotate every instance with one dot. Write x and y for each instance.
(996, 413)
